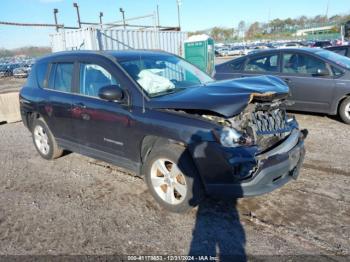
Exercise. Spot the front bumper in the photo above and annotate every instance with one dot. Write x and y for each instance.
(268, 171)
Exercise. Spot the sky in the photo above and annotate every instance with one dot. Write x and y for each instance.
(195, 14)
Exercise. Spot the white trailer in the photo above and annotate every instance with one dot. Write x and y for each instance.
(92, 38)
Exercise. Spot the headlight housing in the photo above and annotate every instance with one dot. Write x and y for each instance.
(230, 137)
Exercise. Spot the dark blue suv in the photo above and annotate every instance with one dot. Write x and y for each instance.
(159, 116)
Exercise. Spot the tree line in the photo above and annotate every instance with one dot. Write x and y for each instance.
(276, 27)
(31, 51)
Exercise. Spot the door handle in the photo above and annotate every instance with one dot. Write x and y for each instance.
(80, 105)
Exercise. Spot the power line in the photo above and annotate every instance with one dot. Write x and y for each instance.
(30, 24)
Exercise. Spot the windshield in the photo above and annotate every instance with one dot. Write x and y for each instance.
(164, 74)
(335, 58)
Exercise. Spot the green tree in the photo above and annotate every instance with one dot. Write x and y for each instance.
(254, 30)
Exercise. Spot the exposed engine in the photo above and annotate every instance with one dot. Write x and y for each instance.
(262, 123)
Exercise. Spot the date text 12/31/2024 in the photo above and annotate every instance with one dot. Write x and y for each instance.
(172, 258)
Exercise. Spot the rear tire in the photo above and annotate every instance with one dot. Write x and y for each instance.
(344, 111)
(44, 142)
(172, 178)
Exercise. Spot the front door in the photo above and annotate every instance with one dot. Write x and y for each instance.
(98, 124)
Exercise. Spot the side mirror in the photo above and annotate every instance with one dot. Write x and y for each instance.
(321, 72)
(111, 93)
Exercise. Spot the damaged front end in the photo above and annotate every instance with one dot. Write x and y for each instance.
(262, 123)
(251, 145)
(258, 150)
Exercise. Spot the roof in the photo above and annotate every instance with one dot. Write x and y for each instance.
(338, 47)
(135, 53)
(119, 55)
(306, 49)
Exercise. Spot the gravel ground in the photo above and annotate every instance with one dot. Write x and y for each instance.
(11, 84)
(77, 205)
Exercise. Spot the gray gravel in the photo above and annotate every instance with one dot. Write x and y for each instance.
(11, 84)
(77, 205)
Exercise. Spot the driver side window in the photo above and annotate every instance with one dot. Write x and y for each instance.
(92, 78)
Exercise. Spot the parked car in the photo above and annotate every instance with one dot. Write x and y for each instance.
(22, 72)
(290, 45)
(223, 51)
(322, 44)
(318, 79)
(237, 51)
(157, 115)
(8, 69)
(341, 50)
(5, 71)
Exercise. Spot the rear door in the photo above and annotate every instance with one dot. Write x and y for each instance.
(262, 64)
(309, 91)
(230, 69)
(59, 98)
(99, 125)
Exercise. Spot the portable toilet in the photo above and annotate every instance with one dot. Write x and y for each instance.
(199, 50)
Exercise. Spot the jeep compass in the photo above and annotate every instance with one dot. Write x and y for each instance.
(160, 117)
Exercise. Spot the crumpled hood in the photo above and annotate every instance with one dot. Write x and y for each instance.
(227, 98)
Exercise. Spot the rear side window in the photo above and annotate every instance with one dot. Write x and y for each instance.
(340, 51)
(61, 77)
(266, 63)
(41, 70)
(236, 65)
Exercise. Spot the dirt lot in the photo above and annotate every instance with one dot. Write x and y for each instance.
(76, 205)
(10, 84)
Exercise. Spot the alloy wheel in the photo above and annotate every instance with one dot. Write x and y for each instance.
(347, 110)
(41, 140)
(168, 181)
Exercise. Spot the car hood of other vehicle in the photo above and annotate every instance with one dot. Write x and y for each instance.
(227, 98)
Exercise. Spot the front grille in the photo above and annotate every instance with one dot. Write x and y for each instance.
(269, 122)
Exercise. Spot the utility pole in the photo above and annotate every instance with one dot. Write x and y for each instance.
(178, 2)
(101, 15)
(158, 15)
(77, 7)
(123, 14)
(55, 11)
(327, 8)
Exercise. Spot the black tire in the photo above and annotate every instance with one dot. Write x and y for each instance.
(54, 150)
(181, 157)
(344, 112)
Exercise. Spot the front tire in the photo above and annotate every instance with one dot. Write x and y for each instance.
(44, 142)
(172, 178)
(344, 111)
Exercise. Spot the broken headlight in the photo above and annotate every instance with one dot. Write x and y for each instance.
(230, 137)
